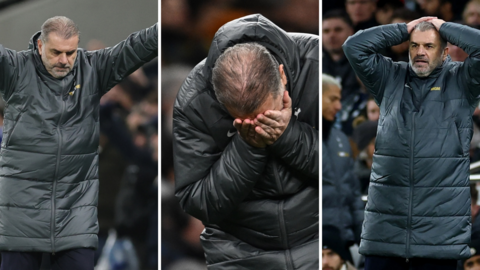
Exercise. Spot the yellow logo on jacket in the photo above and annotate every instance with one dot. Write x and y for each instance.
(437, 88)
(343, 154)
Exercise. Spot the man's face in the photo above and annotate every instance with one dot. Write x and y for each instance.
(425, 52)
(373, 111)
(472, 264)
(360, 10)
(334, 33)
(472, 14)
(331, 260)
(430, 7)
(58, 54)
(331, 102)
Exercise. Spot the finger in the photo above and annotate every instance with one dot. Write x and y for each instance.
(262, 119)
(237, 123)
(266, 128)
(287, 101)
(263, 134)
(273, 114)
(245, 127)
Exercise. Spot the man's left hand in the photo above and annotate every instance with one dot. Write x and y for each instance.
(271, 124)
(437, 23)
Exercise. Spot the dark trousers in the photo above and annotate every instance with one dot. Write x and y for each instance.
(396, 263)
(74, 259)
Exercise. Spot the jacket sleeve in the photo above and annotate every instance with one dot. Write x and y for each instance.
(8, 71)
(209, 182)
(362, 51)
(117, 62)
(298, 147)
(468, 39)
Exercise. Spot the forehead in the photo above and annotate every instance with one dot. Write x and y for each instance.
(473, 6)
(429, 36)
(331, 90)
(61, 44)
(334, 22)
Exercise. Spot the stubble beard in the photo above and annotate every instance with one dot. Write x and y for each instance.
(426, 70)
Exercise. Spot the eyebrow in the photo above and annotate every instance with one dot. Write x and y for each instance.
(69, 52)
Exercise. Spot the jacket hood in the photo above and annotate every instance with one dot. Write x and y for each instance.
(255, 28)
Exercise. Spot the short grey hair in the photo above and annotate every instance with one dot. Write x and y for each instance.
(426, 26)
(244, 76)
(60, 25)
(328, 81)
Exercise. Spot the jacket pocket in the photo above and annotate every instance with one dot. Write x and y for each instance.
(10, 132)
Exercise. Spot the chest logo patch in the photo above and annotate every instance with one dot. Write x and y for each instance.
(437, 88)
(343, 154)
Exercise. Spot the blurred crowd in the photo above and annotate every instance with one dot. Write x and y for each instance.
(188, 27)
(128, 169)
(356, 113)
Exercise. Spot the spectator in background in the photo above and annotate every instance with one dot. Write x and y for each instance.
(342, 205)
(362, 13)
(364, 137)
(438, 8)
(336, 27)
(471, 13)
(335, 252)
(400, 52)
(386, 9)
(475, 208)
(473, 263)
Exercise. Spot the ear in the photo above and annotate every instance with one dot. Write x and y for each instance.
(39, 44)
(445, 53)
(282, 74)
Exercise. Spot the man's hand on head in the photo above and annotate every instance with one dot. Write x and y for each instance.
(271, 124)
(246, 130)
(437, 23)
(412, 24)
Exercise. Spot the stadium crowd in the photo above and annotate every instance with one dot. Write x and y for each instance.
(350, 117)
(188, 27)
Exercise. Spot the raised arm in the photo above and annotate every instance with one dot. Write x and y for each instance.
(468, 39)
(115, 63)
(209, 182)
(8, 71)
(363, 52)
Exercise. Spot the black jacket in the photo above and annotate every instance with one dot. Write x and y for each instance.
(49, 158)
(258, 205)
(419, 195)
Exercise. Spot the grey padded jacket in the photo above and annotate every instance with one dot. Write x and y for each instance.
(49, 158)
(259, 206)
(419, 201)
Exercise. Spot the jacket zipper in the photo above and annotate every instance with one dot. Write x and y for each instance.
(52, 223)
(410, 200)
(283, 230)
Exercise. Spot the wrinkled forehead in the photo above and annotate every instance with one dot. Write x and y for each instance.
(61, 44)
(424, 37)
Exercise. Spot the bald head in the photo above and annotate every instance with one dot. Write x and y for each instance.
(61, 26)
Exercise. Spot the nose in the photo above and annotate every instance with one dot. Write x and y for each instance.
(62, 59)
(421, 50)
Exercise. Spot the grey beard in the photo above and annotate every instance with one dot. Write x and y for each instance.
(426, 73)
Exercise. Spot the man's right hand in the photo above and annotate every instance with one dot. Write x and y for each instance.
(246, 130)
(412, 24)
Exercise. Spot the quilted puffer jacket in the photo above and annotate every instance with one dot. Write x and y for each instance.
(259, 206)
(49, 157)
(418, 199)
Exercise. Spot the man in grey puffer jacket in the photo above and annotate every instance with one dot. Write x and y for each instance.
(418, 210)
(253, 183)
(49, 155)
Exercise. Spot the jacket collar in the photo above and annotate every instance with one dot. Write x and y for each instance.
(255, 28)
